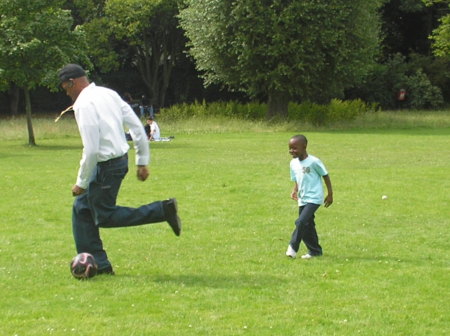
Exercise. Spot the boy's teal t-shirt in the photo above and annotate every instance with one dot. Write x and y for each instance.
(308, 175)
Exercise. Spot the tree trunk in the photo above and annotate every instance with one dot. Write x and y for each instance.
(31, 140)
(278, 105)
(167, 67)
(147, 64)
(14, 94)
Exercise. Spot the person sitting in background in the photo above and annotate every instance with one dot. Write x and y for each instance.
(152, 130)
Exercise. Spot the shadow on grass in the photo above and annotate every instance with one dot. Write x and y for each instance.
(420, 131)
(169, 145)
(11, 155)
(381, 259)
(58, 147)
(220, 281)
(41, 146)
(78, 146)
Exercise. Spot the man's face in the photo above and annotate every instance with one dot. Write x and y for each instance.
(68, 87)
(297, 148)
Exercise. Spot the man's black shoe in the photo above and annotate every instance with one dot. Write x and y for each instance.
(170, 212)
(107, 270)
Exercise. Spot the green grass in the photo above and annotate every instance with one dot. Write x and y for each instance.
(385, 270)
(45, 128)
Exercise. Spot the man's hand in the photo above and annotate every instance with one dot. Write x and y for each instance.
(142, 173)
(77, 191)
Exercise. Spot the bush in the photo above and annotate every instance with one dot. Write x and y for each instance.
(437, 70)
(422, 94)
(229, 109)
(380, 84)
(308, 112)
(384, 82)
(313, 113)
(338, 110)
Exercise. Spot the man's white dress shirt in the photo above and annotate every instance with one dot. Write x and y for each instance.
(101, 115)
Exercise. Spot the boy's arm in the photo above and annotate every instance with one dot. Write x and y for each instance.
(294, 193)
(329, 199)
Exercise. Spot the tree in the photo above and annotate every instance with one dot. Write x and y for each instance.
(282, 49)
(35, 40)
(441, 35)
(146, 33)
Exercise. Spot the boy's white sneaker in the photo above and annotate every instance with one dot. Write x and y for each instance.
(309, 256)
(290, 252)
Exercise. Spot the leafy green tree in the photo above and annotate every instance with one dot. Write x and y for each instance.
(283, 49)
(90, 17)
(410, 5)
(144, 33)
(441, 35)
(35, 40)
(85, 10)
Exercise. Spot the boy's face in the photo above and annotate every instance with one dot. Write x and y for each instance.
(297, 148)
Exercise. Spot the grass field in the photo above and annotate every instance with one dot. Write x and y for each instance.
(385, 269)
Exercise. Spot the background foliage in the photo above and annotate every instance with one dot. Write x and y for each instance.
(441, 35)
(309, 112)
(385, 80)
(35, 40)
(116, 33)
(283, 50)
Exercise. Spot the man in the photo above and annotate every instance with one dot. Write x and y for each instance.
(101, 116)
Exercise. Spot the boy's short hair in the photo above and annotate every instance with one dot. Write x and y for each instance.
(300, 137)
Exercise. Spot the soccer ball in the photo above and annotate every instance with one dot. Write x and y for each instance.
(83, 266)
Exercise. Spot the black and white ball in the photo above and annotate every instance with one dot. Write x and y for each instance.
(83, 266)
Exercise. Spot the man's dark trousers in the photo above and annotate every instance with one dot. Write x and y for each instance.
(97, 208)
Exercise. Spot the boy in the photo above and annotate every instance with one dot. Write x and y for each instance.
(306, 172)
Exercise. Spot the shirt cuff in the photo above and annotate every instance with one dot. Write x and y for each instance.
(82, 184)
(142, 160)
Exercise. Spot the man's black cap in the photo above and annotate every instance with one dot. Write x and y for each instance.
(70, 71)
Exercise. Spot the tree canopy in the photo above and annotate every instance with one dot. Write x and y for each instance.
(441, 35)
(35, 40)
(143, 33)
(269, 50)
(283, 50)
